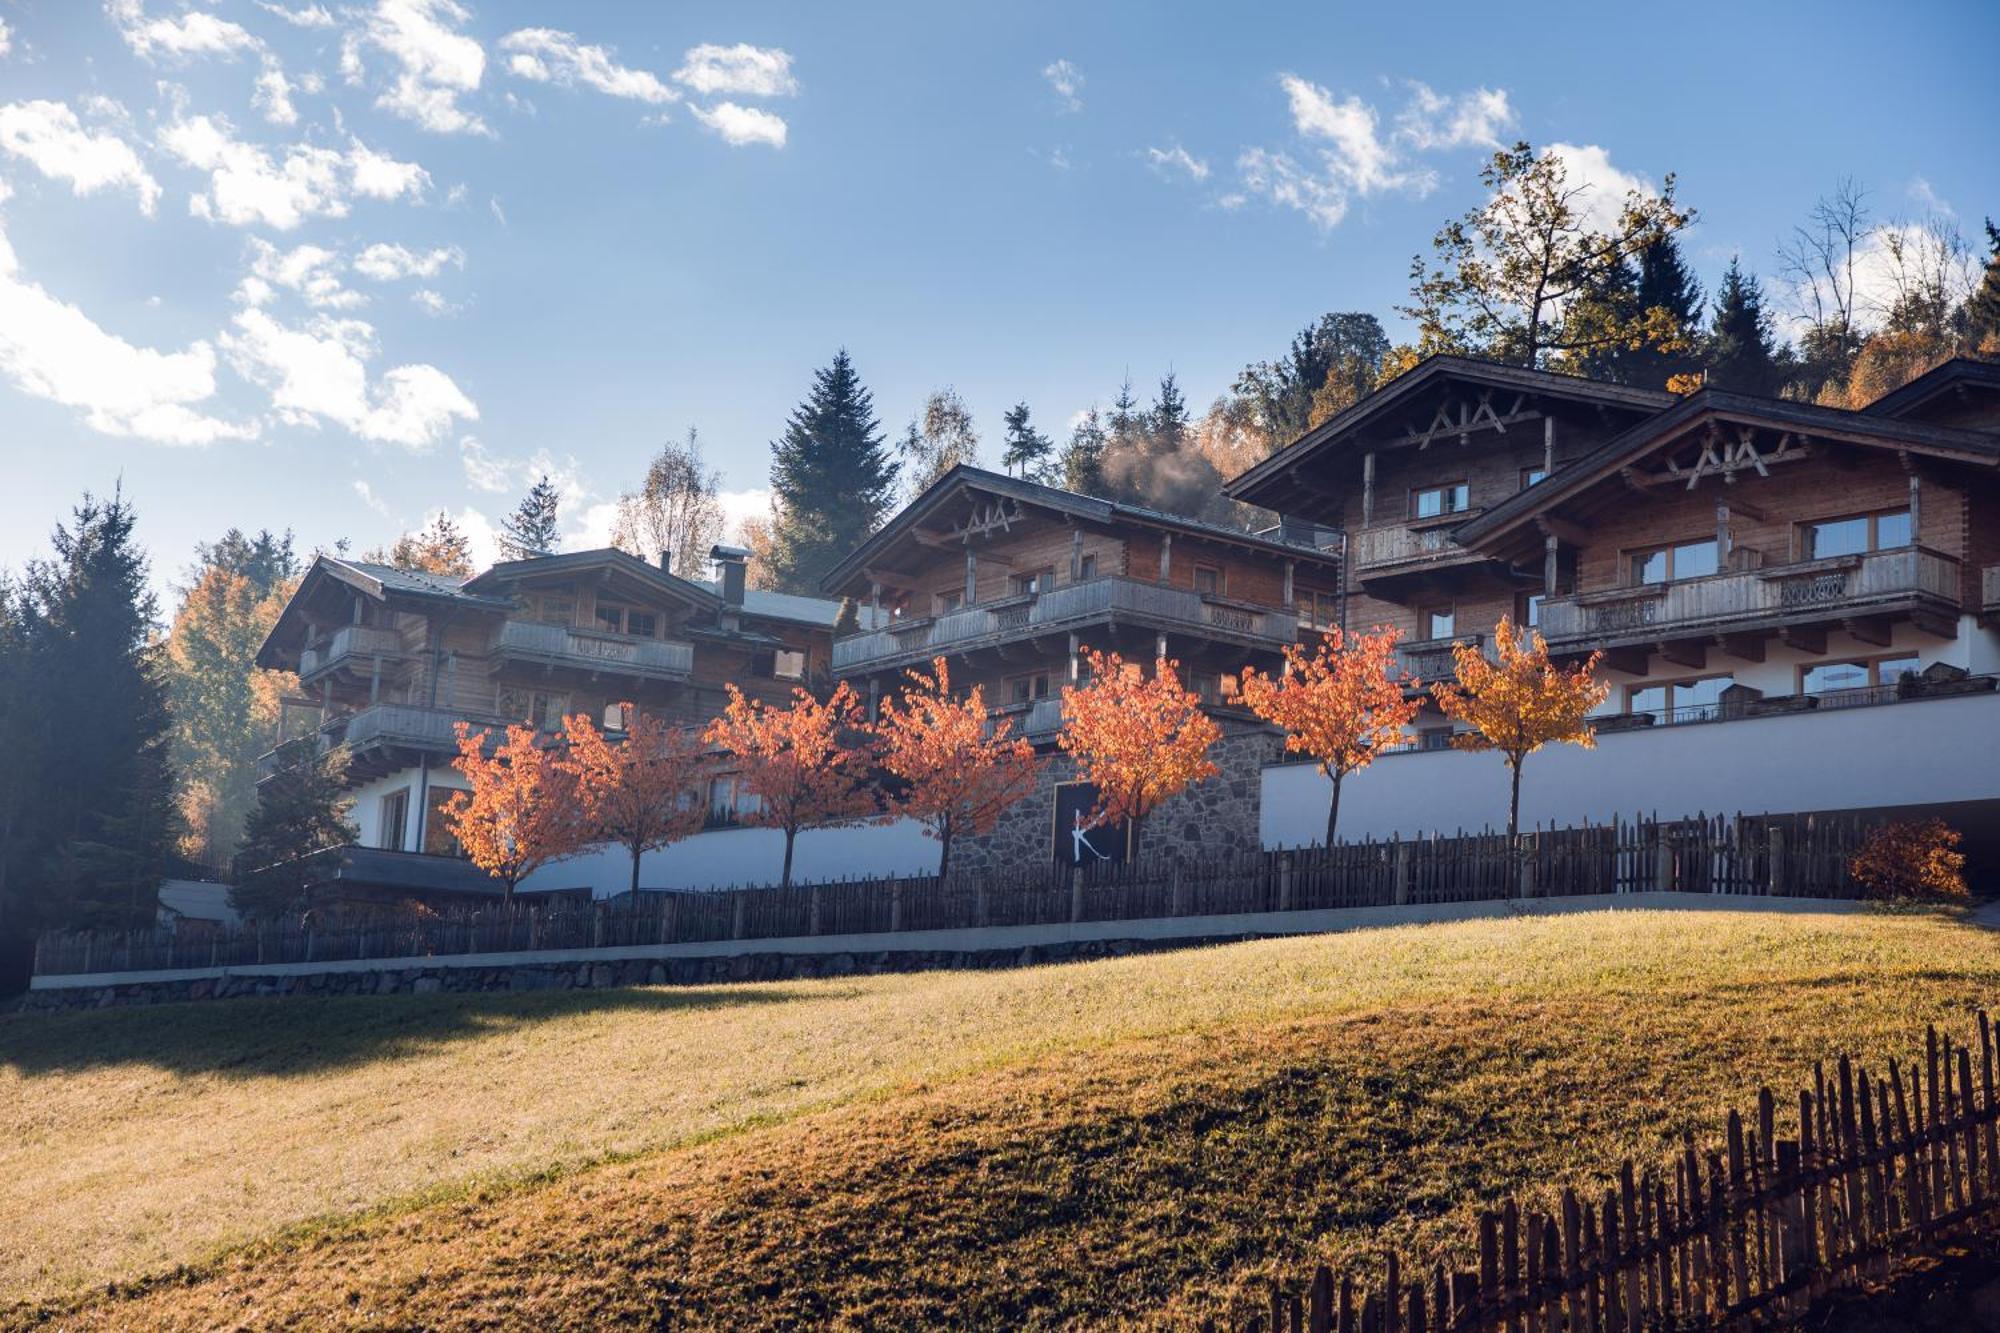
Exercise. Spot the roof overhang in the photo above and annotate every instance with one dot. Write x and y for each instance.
(1960, 375)
(608, 561)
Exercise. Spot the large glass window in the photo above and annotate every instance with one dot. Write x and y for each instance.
(1828, 677)
(393, 815)
(1857, 534)
(1681, 700)
(1683, 560)
(1434, 501)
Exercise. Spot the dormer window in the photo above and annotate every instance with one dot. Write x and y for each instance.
(1437, 501)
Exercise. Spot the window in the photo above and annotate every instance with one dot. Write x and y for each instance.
(536, 707)
(551, 610)
(1532, 475)
(1857, 535)
(1206, 685)
(1528, 610)
(642, 623)
(730, 799)
(1040, 581)
(1207, 578)
(788, 664)
(1439, 622)
(1665, 564)
(1027, 689)
(1318, 610)
(950, 600)
(1826, 677)
(1431, 502)
(614, 717)
(1680, 701)
(615, 619)
(438, 837)
(395, 818)
(1086, 568)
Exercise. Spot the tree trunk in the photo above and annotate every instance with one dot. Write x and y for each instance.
(1137, 825)
(1333, 809)
(785, 882)
(1514, 805)
(944, 850)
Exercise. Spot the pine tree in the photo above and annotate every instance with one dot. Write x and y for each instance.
(1082, 462)
(530, 530)
(88, 839)
(301, 809)
(1982, 308)
(1167, 422)
(1027, 451)
(1330, 364)
(832, 479)
(1742, 354)
(1127, 421)
(1669, 306)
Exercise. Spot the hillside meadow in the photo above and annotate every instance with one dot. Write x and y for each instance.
(1127, 1142)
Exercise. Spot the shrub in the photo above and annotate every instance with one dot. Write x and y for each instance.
(1914, 859)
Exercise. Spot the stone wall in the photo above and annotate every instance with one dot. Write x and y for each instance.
(1210, 818)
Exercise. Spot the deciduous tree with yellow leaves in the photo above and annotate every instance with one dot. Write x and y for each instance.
(1519, 701)
(1341, 705)
(526, 807)
(646, 791)
(1139, 739)
(798, 761)
(961, 768)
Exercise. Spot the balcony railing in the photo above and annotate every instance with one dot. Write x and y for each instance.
(1432, 659)
(1401, 544)
(1774, 594)
(408, 725)
(1989, 588)
(561, 645)
(347, 643)
(1037, 720)
(1071, 604)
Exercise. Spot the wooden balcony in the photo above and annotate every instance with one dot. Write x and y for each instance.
(593, 651)
(1912, 581)
(1039, 720)
(1176, 610)
(383, 729)
(1395, 548)
(358, 646)
(1432, 659)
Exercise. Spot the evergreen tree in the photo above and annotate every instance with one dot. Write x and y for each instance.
(832, 479)
(86, 837)
(530, 530)
(1742, 354)
(1127, 421)
(1027, 451)
(301, 809)
(1982, 308)
(1082, 462)
(1167, 422)
(1670, 306)
(1331, 364)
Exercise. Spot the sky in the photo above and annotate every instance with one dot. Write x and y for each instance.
(332, 267)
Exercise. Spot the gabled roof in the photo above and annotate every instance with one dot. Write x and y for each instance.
(1087, 507)
(382, 583)
(1829, 423)
(1961, 372)
(602, 557)
(1412, 384)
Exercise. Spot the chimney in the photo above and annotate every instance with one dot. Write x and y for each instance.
(666, 561)
(731, 566)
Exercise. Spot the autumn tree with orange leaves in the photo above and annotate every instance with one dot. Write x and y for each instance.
(525, 809)
(961, 769)
(1139, 739)
(1519, 701)
(1342, 705)
(798, 761)
(646, 792)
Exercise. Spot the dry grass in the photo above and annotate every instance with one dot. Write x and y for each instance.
(1059, 1145)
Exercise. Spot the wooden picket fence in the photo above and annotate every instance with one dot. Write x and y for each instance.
(1872, 1171)
(1798, 857)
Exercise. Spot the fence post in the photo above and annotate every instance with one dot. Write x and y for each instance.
(1176, 894)
(895, 906)
(736, 920)
(812, 910)
(1524, 869)
(1402, 873)
(979, 901)
(1285, 883)
(1663, 864)
(1076, 894)
(1776, 869)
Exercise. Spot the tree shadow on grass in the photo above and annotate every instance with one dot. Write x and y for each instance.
(304, 1036)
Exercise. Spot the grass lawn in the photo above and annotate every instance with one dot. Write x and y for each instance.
(1119, 1142)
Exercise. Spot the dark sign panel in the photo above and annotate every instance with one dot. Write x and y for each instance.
(1078, 842)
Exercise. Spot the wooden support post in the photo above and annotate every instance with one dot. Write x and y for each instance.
(1076, 555)
(1549, 565)
(1916, 510)
(1166, 557)
(971, 576)
(375, 682)
(1291, 569)
(1722, 534)
(1548, 445)
(1160, 646)
(874, 603)
(1368, 488)
(1074, 656)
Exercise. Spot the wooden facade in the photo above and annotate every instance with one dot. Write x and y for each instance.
(1012, 581)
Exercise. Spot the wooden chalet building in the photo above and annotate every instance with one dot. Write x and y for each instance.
(390, 660)
(1011, 580)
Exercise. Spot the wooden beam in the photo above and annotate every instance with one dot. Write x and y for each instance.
(1576, 534)
(1690, 653)
(1937, 626)
(1805, 638)
(1629, 661)
(1742, 647)
(1870, 629)
(934, 540)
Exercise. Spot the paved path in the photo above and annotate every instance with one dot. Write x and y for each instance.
(1986, 914)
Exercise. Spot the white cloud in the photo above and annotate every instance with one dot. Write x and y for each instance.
(483, 472)
(742, 69)
(306, 16)
(1432, 121)
(753, 503)
(481, 536)
(51, 349)
(310, 270)
(6, 38)
(1067, 80)
(1928, 198)
(319, 372)
(194, 33)
(1359, 157)
(1283, 181)
(247, 186)
(436, 63)
(1603, 186)
(1167, 161)
(49, 136)
(742, 124)
(273, 94)
(432, 303)
(369, 498)
(386, 262)
(493, 207)
(543, 55)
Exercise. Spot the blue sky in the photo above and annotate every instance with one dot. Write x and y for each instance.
(330, 266)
